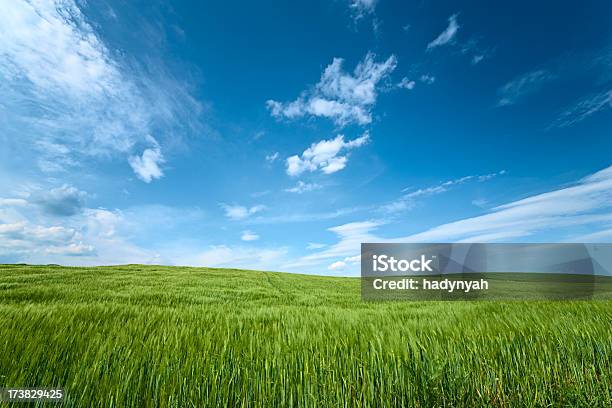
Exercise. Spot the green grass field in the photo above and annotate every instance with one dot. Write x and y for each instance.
(135, 336)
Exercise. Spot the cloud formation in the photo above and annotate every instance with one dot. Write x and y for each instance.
(342, 97)
(448, 35)
(408, 200)
(68, 96)
(25, 237)
(427, 79)
(350, 237)
(236, 257)
(337, 266)
(324, 156)
(302, 187)
(586, 203)
(249, 236)
(271, 158)
(147, 165)
(360, 8)
(239, 212)
(62, 201)
(406, 83)
(586, 107)
(525, 84)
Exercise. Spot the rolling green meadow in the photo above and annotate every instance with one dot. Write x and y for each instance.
(152, 336)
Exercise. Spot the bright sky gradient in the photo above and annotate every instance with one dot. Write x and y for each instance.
(280, 135)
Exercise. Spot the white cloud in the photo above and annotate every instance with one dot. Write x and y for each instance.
(62, 201)
(16, 202)
(406, 83)
(28, 233)
(345, 98)
(271, 158)
(408, 200)
(487, 177)
(337, 266)
(349, 261)
(588, 203)
(258, 194)
(236, 257)
(522, 85)
(427, 79)
(52, 46)
(475, 51)
(22, 236)
(353, 259)
(146, 166)
(239, 212)
(350, 236)
(315, 245)
(584, 108)
(289, 217)
(324, 156)
(477, 58)
(362, 7)
(480, 202)
(302, 187)
(448, 35)
(604, 235)
(259, 134)
(72, 249)
(68, 96)
(89, 237)
(249, 236)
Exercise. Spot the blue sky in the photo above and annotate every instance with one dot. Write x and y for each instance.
(280, 135)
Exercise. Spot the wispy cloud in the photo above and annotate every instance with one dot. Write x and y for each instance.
(448, 35)
(342, 97)
(586, 203)
(271, 158)
(246, 257)
(427, 79)
(477, 58)
(302, 187)
(315, 245)
(239, 212)
(72, 97)
(523, 85)
(297, 217)
(409, 199)
(585, 108)
(361, 8)
(248, 235)
(350, 237)
(324, 156)
(476, 51)
(10, 202)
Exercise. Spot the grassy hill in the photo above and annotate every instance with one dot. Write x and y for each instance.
(132, 336)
